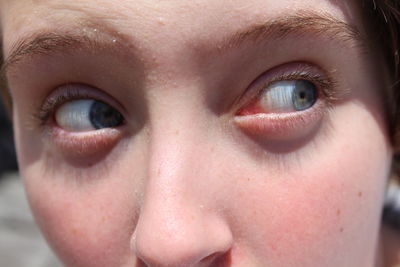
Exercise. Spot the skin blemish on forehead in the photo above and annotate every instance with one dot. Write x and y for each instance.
(161, 21)
(360, 194)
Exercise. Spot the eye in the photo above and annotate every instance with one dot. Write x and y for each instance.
(288, 96)
(287, 102)
(87, 115)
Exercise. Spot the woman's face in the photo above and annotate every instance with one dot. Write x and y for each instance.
(199, 133)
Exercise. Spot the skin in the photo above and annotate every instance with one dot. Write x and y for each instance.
(184, 182)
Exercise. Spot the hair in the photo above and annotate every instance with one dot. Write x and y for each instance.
(384, 18)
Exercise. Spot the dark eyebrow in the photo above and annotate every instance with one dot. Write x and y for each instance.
(47, 43)
(301, 23)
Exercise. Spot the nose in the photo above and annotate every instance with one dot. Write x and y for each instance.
(183, 239)
(178, 224)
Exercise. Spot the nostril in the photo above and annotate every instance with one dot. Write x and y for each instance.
(140, 263)
(217, 260)
(209, 259)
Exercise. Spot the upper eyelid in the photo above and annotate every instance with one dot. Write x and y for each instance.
(323, 84)
(69, 92)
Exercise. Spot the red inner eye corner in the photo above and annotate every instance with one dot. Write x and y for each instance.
(251, 109)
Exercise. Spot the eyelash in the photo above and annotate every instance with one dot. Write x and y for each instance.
(63, 95)
(291, 124)
(325, 84)
(73, 144)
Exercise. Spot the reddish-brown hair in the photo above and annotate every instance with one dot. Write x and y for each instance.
(384, 18)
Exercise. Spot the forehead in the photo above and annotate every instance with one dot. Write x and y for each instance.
(148, 21)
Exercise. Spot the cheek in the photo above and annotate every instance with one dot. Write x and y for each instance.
(89, 226)
(87, 215)
(323, 210)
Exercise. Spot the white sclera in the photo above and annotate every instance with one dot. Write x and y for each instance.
(74, 116)
(278, 97)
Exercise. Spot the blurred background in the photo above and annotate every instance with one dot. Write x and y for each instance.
(21, 244)
(7, 151)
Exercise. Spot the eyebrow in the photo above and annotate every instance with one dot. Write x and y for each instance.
(299, 24)
(48, 43)
(302, 23)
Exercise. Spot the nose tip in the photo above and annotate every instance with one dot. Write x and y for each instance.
(186, 241)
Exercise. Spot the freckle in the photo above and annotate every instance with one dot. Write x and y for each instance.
(75, 231)
(158, 171)
(338, 212)
(341, 229)
(177, 132)
(360, 194)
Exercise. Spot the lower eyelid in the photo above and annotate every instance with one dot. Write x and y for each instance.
(282, 126)
(83, 143)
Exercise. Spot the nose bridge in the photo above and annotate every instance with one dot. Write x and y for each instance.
(174, 227)
(178, 144)
(174, 156)
(169, 190)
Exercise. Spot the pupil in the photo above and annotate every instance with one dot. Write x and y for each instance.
(103, 116)
(304, 95)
